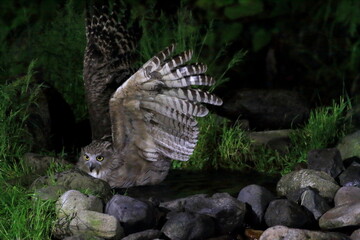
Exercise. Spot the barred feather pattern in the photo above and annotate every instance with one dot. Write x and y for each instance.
(108, 62)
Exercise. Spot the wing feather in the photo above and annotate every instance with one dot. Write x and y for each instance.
(155, 109)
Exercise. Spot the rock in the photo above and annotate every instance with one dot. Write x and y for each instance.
(75, 180)
(72, 202)
(187, 226)
(274, 139)
(347, 195)
(134, 215)
(313, 202)
(326, 160)
(286, 213)
(321, 181)
(267, 108)
(144, 235)
(349, 145)
(341, 216)
(285, 233)
(350, 177)
(352, 161)
(355, 235)
(40, 164)
(295, 195)
(82, 237)
(90, 223)
(228, 212)
(50, 192)
(252, 234)
(258, 198)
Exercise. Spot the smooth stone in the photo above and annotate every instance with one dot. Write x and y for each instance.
(285, 233)
(350, 177)
(90, 223)
(227, 211)
(50, 192)
(303, 178)
(349, 145)
(326, 160)
(72, 201)
(342, 216)
(347, 195)
(82, 237)
(355, 235)
(134, 215)
(258, 198)
(188, 226)
(75, 180)
(286, 213)
(313, 202)
(144, 235)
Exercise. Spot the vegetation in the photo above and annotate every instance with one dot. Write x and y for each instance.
(324, 50)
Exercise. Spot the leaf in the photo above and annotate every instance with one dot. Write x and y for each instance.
(244, 8)
(260, 39)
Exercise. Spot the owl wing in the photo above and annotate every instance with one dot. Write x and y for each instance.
(110, 52)
(153, 112)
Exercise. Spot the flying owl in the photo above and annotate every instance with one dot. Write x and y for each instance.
(150, 116)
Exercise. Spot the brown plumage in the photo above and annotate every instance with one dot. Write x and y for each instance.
(152, 118)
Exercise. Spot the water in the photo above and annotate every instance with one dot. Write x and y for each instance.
(181, 183)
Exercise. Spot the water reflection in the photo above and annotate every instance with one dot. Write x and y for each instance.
(181, 183)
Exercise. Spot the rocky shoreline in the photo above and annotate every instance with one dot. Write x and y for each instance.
(320, 202)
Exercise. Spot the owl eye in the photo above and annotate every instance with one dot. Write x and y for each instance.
(99, 158)
(86, 157)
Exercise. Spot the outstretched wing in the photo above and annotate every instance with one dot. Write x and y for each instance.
(109, 55)
(153, 112)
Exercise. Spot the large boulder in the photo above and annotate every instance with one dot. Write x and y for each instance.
(74, 201)
(282, 233)
(258, 198)
(188, 226)
(327, 160)
(349, 146)
(134, 215)
(318, 180)
(227, 211)
(341, 216)
(347, 195)
(286, 213)
(75, 180)
(267, 108)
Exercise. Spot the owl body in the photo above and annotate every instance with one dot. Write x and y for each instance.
(151, 116)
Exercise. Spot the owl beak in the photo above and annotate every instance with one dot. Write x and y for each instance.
(91, 167)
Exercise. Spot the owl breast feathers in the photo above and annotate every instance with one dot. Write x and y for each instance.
(152, 117)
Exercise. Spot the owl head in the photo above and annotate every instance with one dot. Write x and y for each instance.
(95, 157)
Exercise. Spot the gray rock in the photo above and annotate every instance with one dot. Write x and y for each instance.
(350, 177)
(75, 180)
(144, 235)
(274, 139)
(313, 202)
(347, 195)
(258, 198)
(40, 164)
(187, 226)
(352, 161)
(326, 160)
(72, 201)
(341, 216)
(286, 213)
(321, 181)
(349, 146)
(267, 108)
(82, 237)
(227, 211)
(285, 233)
(134, 215)
(50, 192)
(355, 235)
(90, 223)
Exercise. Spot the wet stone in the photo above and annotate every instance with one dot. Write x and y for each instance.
(326, 160)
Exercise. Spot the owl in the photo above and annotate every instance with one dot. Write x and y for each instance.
(148, 120)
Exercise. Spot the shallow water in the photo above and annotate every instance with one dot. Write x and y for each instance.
(181, 183)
